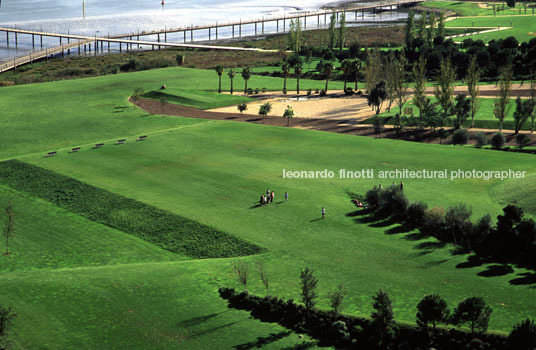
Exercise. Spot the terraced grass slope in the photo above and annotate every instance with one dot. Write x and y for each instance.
(213, 172)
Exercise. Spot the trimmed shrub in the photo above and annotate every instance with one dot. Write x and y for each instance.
(481, 139)
(460, 137)
(498, 140)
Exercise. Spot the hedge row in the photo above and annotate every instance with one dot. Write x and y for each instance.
(168, 230)
(351, 332)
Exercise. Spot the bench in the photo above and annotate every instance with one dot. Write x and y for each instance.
(120, 142)
(98, 145)
(76, 149)
(141, 138)
(51, 154)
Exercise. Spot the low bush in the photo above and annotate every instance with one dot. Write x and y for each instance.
(168, 230)
(498, 140)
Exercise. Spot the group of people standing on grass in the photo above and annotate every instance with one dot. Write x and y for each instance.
(269, 197)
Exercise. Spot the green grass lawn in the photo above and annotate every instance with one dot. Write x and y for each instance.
(463, 8)
(523, 26)
(129, 294)
(77, 112)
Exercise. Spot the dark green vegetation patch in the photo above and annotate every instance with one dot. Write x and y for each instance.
(168, 230)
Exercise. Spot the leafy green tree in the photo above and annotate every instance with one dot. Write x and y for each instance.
(231, 74)
(264, 110)
(442, 134)
(377, 96)
(444, 89)
(383, 319)
(373, 69)
(347, 68)
(511, 3)
(472, 311)
(356, 67)
(308, 288)
(400, 86)
(430, 30)
(430, 116)
(289, 114)
(242, 107)
(523, 336)
(472, 78)
(419, 88)
(295, 35)
(461, 110)
(9, 230)
(502, 104)
(336, 298)
(285, 70)
(524, 110)
(246, 74)
(298, 68)
(432, 309)
(327, 69)
(342, 31)
(219, 70)
(457, 221)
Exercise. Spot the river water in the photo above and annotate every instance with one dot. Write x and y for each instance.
(102, 17)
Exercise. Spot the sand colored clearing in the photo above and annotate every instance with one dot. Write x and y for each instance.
(333, 106)
(338, 106)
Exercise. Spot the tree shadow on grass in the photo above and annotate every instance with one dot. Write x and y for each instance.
(472, 261)
(416, 236)
(496, 270)
(197, 320)
(303, 346)
(213, 329)
(397, 230)
(526, 279)
(431, 245)
(263, 341)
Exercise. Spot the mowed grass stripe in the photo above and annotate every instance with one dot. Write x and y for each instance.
(168, 230)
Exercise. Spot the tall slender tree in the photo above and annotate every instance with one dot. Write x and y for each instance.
(331, 31)
(342, 31)
(298, 71)
(445, 86)
(533, 98)
(327, 70)
(502, 103)
(219, 70)
(373, 69)
(441, 24)
(231, 75)
(410, 27)
(308, 288)
(419, 80)
(472, 78)
(9, 231)
(421, 26)
(401, 86)
(285, 70)
(246, 74)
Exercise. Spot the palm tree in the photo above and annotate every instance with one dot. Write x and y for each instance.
(231, 75)
(356, 66)
(298, 71)
(219, 70)
(246, 74)
(285, 69)
(346, 67)
(327, 70)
